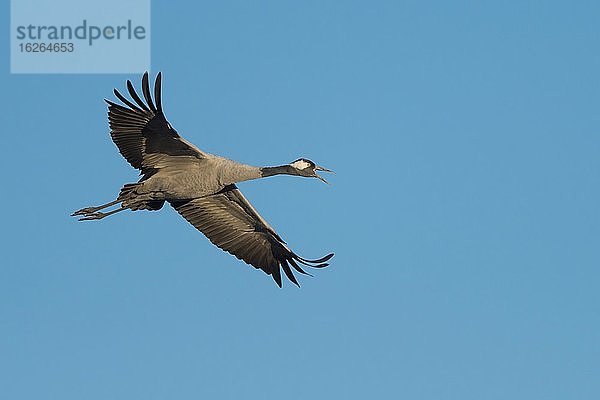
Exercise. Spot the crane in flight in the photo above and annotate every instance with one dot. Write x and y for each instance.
(198, 185)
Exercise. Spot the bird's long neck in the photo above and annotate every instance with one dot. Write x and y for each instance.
(279, 170)
(231, 171)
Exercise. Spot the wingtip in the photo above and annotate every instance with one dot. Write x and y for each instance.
(278, 281)
(157, 91)
(327, 257)
(319, 261)
(146, 92)
(276, 274)
(288, 272)
(135, 96)
(297, 267)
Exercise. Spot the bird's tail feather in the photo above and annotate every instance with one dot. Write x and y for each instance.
(127, 191)
(133, 200)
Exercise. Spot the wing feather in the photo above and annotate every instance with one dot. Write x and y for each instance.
(125, 101)
(230, 222)
(141, 131)
(146, 92)
(135, 96)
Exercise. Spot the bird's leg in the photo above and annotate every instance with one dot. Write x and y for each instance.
(91, 210)
(100, 215)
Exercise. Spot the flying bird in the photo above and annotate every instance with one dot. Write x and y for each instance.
(198, 185)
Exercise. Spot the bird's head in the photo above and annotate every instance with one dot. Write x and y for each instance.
(307, 168)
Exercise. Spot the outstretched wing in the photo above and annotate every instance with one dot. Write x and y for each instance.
(231, 223)
(141, 131)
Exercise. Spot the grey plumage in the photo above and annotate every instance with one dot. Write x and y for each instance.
(199, 185)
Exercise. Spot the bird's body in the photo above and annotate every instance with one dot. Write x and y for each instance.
(199, 185)
(188, 177)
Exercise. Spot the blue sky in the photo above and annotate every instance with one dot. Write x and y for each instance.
(464, 212)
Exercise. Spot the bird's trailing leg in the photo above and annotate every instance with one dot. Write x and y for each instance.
(100, 215)
(91, 210)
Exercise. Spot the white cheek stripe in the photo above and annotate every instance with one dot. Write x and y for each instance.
(300, 164)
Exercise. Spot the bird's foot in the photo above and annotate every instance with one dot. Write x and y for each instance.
(92, 215)
(85, 211)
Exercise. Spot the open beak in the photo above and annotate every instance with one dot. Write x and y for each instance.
(319, 168)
